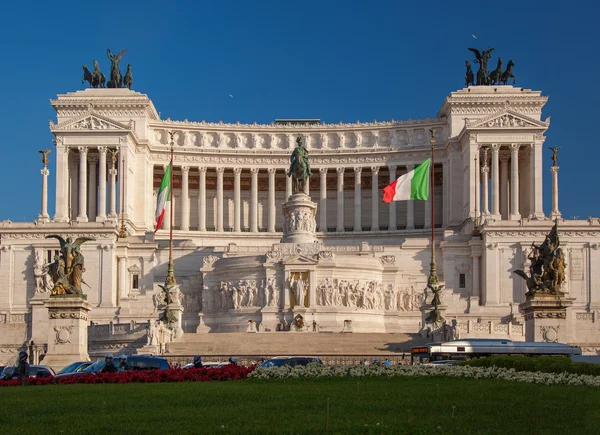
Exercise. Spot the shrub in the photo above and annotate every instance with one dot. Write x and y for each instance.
(226, 373)
(545, 364)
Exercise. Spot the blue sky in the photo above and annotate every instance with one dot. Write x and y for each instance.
(337, 61)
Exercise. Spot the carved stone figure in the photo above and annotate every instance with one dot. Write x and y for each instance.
(40, 271)
(300, 170)
(67, 270)
(298, 287)
(547, 267)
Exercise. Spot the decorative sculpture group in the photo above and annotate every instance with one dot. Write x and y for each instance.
(300, 170)
(485, 78)
(67, 269)
(547, 268)
(97, 80)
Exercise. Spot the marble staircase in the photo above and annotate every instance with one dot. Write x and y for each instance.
(294, 343)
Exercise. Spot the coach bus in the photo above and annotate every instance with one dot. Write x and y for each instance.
(460, 350)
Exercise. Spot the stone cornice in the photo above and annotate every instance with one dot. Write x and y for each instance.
(117, 102)
(490, 99)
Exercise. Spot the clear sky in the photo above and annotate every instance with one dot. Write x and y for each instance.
(333, 60)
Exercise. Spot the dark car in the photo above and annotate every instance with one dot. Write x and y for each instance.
(135, 362)
(34, 371)
(147, 362)
(291, 361)
(75, 367)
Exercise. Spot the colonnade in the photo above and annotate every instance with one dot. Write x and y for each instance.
(503, 200)
(273, 207)
(86, 200)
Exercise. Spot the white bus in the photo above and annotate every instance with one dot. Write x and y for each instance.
(461, 350)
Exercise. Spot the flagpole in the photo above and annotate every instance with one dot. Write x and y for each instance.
(170, 280)
(433, 272)
(435, 317)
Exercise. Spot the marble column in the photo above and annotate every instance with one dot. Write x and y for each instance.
(340, 200)
(536, 182)
(357, 200)
(410, 207)
(44, 217)
(555, 214)
(392, 205)
(220, 199)
(62, 184)
(202, 199)
(112, 192)
(82, 216)
(514, 182)
(307, 187)
(495, 182)
(92, 188)
(237, 201)
(288, 187)
(485, 170)
(323, 200)
(185, 198)
(272, 210)
(476, 280)
(101, 215)
(504, 195)
(254, 201)
(374, 198)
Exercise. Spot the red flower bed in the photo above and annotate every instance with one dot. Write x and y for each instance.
(227, 373)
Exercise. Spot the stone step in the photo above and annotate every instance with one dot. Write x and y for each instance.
(294, 343)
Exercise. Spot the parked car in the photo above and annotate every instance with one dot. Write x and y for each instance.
(290, 361)
(34, 371)
(78, 366)
(209, 364)
(147, 362)
(135, 362)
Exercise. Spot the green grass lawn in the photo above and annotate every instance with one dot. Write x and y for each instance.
(376, 405)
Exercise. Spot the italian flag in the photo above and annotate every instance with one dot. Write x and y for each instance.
(164, 195)
(412, 185)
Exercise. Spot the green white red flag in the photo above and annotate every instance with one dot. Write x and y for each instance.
(412, 185)
(164, 195)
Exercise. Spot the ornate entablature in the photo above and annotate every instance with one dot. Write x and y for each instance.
(480, 100)
(107, 102)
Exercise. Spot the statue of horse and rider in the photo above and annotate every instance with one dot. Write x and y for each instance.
(485, 78)
(300, 170)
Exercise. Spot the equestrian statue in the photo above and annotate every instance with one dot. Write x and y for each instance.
(299, 167)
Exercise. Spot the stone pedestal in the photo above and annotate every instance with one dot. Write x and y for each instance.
(546, 317)
(39, 318)
(177, 309)
(202, 328)
(299, 310)
(299, 224)
(270, 319)
(67, 331)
